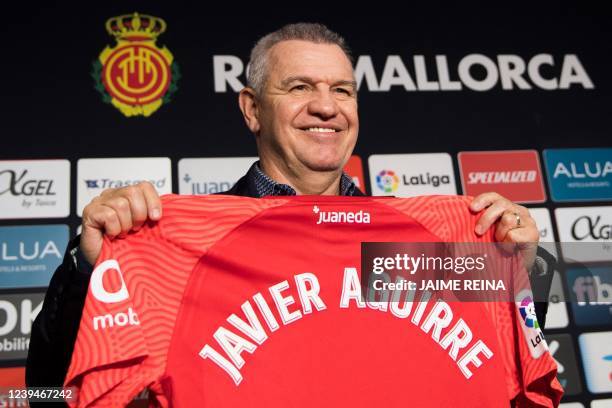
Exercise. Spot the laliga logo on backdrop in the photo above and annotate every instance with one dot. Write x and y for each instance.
(359, 217)
(387, 181)
(100, 293)
(136, 76)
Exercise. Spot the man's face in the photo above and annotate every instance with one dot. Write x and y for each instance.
(308, 110)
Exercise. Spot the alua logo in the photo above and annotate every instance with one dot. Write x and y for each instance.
(346, 217)
(136, 76)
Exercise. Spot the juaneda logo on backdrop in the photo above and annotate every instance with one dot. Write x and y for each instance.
(408, 175)
(211, 175)
(579, 174)
(97, 175)
(507, 71)
(30, 254)
(136, 76)
(585, 233)
(515, 174)
(34, 189)
(18, 312)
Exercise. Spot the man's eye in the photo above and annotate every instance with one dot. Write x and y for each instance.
(344, 91)
(299, 88)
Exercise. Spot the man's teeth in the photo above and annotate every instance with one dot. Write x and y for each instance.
(322, 130)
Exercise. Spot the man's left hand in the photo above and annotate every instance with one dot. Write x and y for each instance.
(513, 224)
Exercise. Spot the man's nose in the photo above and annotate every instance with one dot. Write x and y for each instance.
(323, 104)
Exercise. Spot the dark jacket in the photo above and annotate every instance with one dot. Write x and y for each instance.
(55, 329)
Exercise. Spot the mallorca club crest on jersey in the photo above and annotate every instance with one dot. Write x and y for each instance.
(387, 181)
(136, 76)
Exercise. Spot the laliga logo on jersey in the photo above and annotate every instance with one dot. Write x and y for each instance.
(387, 181)
(136, 76)
(527, 310)
(100, 293)
(359, 217)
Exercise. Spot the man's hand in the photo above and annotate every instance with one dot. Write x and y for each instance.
(515, 224)
(115, 212)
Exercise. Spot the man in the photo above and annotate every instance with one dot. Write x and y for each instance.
(301, 105)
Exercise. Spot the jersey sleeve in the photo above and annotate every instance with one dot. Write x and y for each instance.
(133, 297)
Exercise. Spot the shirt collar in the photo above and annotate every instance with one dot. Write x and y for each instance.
(265, 186)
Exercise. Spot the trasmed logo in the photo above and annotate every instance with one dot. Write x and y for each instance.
(136, 76)
(96, 175)
(515, 174)
(387, 181)
(579, 174)
(341, 217)
(34, 189)
(412, 175)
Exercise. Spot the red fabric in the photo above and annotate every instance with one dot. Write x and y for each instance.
(186, 314)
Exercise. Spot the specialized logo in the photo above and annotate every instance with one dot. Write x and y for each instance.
(136, 76)
(387, 181)
(527, 310)
(515, 174)
(347, 217)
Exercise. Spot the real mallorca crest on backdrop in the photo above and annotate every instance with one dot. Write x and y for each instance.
(136, 76)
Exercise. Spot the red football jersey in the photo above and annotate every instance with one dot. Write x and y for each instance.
(236, 302)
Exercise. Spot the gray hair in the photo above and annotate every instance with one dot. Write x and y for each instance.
(313, 32)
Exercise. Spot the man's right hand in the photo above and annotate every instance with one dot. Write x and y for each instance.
(115, 212)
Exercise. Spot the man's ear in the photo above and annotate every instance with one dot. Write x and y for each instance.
(250, 109)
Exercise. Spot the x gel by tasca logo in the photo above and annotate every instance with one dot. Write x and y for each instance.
(341, 217)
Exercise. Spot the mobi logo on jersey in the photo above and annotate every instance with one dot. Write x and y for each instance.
(508, 71)
(412, 174)
(579, 174)
(34, 189)
(341, 217)
(562, 351)
(17, 312)
(136, 76)
(208, 175)
(103, 273)
(529, 322)
(585, 233)
(30, 254)
(354, 169)
(591, 294)
(96, 175)
(596, 350)
(515, 174)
